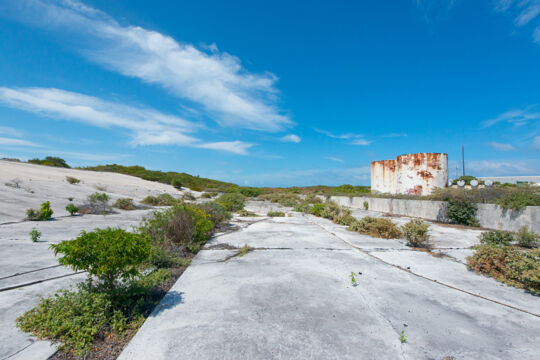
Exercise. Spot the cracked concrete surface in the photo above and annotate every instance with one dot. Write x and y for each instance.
(291, 297)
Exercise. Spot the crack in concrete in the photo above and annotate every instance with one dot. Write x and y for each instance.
(29, 271)
(39, 281)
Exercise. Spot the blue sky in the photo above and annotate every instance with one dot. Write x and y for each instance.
(272, 93)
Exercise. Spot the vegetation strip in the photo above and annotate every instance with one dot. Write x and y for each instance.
(426, 278)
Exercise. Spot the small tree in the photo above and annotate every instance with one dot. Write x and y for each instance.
(108, 254)
(416, 232)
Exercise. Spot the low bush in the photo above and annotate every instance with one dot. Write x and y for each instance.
(43, 214)
(416, 233)
(188, 196)
(377, 227)
(504, 263)
(331, 211)
(346, 220)
(312, 199)
(526, 238)
(317, 209)
(303, 207)
(72, 209)
(76, 319)
(232, 201)
(496, 238)
(176, 231)
(50, 161)
(218, 214)
(176, 183)
(246, 213)
(250, 191)
(518, 199)
(35, 234)
(96, 203)
(275, 214)
(366, 205)
(209, 195)
(107, 254)
(124, 204)
(462, 211)
(284, 199)
(160, 200)
(72, 180)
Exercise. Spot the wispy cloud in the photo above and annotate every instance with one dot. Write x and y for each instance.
(334, 158)
(235, 147)
(504, 167)
(517, 117)
(362, 142)
(215, 81)
(291, 138)
(501, 146)
(338, 136)
(4, 130)
(17, 142)
(524, 12)
(146, 126)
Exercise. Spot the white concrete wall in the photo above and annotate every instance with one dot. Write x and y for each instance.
(489, 216)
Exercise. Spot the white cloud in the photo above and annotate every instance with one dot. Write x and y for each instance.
(17, 142)
(501, 146)
(516, 117)
(146, 126)
(235, 147)
(4, 130)
(524, 12)
(362, 142)
(527, 14)
(334, 158)
(338, 136)
(291, 138)
(214, 80)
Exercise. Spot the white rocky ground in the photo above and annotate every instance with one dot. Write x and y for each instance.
(289, 298)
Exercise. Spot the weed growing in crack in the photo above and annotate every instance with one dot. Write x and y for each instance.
(353, 279)
(244, 250)
(402, 337)
(35, 234)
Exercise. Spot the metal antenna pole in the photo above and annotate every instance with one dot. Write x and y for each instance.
(463, 159)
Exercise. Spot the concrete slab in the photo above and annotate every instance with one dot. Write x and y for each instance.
(294, 299)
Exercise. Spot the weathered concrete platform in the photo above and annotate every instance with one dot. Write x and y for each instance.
(291, 298)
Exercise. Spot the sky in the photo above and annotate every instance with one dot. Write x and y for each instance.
(272, 93)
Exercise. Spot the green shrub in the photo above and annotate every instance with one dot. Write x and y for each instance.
(275, 214)
(317, 209)
(50, 161)
(312, 199)
(160, 200)
(218, 214)
(496, 238)
(303, 207)
(377, 227)
(416, 233)
(250, 191)
(43, 214)
(108, 254)
(514, 267)
(526, 238)
(124, 204)
(35, 234)
(244, 250)
(188, 196)
(346, 220)
(366, 205)
(72, 180)
(462, 211)
(518, 199)
(232, 201)
(284, 199)
(71, 209)
(178, 229)
(209, 195)
(331, 210)
(76, 319)
(176, 183)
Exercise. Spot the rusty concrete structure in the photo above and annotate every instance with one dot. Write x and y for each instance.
(412, 174)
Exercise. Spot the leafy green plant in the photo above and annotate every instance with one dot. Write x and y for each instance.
(526, 238)
(462, 211)
(246, 213)
(176, 183)
(50, 161)
(518, 200)
(232, 201)
(402, 337)
(353, 279)
(35, 234)
(209, 195)
(44, 213)
(107, 254)
(72, 209)
(366, 205)
(496, 238)
(416, 233)
(72, 180)
(124, 204)
(317, 209)
(303, 207)
(218, 214)
(275, 214)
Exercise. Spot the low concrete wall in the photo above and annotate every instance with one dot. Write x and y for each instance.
(489, 216)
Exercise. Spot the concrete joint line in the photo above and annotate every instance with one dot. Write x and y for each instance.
(28, 272)
(39, 281)
(426, 278)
